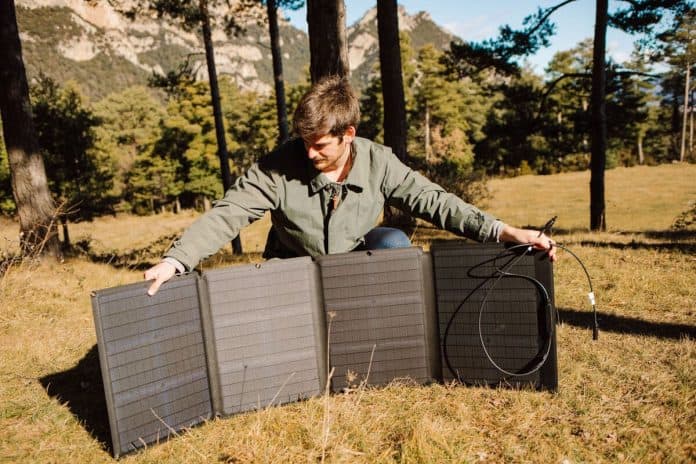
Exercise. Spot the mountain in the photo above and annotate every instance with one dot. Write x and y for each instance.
(94, 44)
(363, 42)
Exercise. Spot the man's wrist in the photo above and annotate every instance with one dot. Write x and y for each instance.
(509, 234)
(180, 269)
(497, 231)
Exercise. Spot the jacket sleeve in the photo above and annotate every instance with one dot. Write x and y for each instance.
(410, 191)
(246, 201)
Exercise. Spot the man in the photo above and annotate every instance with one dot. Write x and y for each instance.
(325, 191)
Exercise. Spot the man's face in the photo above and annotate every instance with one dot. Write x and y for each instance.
(329, 152)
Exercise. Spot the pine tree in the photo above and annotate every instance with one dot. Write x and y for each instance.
(129, 126)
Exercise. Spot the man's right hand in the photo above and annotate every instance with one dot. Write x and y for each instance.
(161, 273)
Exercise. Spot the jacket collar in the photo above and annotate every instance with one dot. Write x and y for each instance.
(358, 175)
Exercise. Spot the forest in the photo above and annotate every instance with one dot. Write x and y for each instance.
(471, 112)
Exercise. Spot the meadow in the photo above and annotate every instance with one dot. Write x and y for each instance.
(628, 397)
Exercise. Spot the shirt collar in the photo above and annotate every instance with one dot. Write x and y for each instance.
(357, 177)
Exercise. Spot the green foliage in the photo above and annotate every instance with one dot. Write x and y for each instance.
(454, 175)
(129, 125)
(470, 58)
(372, 111)
(372, 100)
(188, 141)
(152, 183)
(512, 136)
(547, 126)
(252, 122)
(80, 177)
(453, 109)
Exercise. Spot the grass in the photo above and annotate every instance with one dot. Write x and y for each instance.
(628, 397)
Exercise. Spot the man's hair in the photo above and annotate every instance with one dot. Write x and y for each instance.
(328, 108)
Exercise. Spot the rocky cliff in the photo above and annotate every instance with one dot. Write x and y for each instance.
(99, 47)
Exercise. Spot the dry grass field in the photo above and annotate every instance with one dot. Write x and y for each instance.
(628, 397)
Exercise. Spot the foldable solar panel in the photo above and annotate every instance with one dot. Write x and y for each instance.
(265, 334)
(153, 361)
(515, 325)
(380, 300)
(244, 337)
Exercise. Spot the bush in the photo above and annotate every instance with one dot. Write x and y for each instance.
(455, 177)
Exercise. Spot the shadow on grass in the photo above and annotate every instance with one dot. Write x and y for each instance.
(687, 248)
(137, 259)
(626, 325)
(81, 389)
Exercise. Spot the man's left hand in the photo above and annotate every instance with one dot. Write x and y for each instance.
(538, 240)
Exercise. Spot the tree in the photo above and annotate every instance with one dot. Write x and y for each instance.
(35, 208)
(152, 182)
(79, 177)
(328, 47)
(129, 126)
(628, 92)
(513, 141)
(372, 98)
(392, 80)
(188, 139)
(678, 45)
(274, 34)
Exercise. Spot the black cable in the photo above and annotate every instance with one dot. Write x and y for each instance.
(501, 272)
(540, 358)
(591, 295)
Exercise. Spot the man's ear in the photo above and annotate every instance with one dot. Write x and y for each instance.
(349, 134)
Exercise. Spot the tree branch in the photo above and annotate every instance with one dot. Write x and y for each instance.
(550, 88)
(548, 13)
(552, 85)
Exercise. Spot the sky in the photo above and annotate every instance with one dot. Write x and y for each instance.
(476, 20)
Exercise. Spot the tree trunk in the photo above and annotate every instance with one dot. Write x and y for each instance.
(675, 119)
(394, 114)
(691, 128)
(328, 48)
(217, 110)
(281, 107)
(682, 151)
(66, 233)
(428, 148)
(599, 120)
(35, 207)
(641, 155)
(392, 78)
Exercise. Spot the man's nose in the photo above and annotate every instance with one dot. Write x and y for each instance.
(312, 153)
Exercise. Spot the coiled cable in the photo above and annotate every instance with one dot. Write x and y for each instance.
(500, 273)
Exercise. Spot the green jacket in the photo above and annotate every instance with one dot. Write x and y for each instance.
(285, 183)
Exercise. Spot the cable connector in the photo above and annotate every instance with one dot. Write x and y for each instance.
(591, 297)
(547, 227)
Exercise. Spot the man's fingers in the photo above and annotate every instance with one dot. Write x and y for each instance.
(155, 286)
(161, 273)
